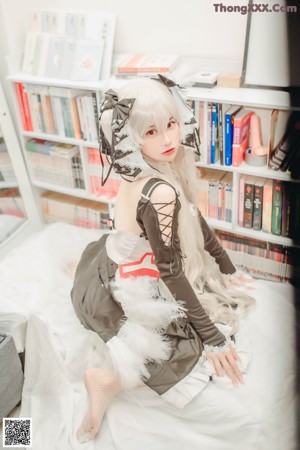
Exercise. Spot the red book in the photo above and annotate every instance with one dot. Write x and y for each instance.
(239, 150)
(148, 63)
(267, 206)
(24, 107)
(241, 125)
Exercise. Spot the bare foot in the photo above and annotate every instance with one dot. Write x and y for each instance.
(102, 385)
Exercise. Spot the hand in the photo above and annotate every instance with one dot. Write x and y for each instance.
(226, 362)
(239, 279)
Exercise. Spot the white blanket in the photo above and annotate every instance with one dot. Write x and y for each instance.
(259, 415)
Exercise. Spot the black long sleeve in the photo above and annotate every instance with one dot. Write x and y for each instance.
(169, 263)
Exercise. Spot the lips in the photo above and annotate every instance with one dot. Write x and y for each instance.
(169, 152)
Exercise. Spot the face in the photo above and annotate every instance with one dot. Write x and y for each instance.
(163, 145)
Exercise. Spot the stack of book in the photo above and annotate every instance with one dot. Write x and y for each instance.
(146, 64)
(61, 111)
(224, 133)
(6, 169)
(262, 259)
(11, 202)
(215, 194)
(269, 205)
(69, 45)
(94, 174)
(54, 163)
(73, 210)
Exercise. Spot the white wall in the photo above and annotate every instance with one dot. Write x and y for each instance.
(188, 27)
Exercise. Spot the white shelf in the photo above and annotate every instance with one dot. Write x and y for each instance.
(250, 170)
(263, 98)
(219, 224)
(259, 235)
(46, 81)
(81, 193)
(262, 236)
(62, 139)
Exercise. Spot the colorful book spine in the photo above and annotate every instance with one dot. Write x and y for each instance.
(241, 200)
(209, 113)
(221, 133)
(229, 117)
(214, 131)
(249, 202)
(267, 206)
(286, 210)
(258, 204)
(277, 208)
(241, 126)
(24, 107)
(238, 152)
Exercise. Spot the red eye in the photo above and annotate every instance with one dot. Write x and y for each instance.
(151, 133)
(171, 124)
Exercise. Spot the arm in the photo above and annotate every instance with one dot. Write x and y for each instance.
(213, 247)
(158, 217)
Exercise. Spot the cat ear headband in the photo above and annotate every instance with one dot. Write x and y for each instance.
(124, 155)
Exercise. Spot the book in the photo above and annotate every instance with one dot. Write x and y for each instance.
(258, 203)
(239, 150)
(221, 133)
(249, 201)
(101, 25)
(276, 207)
(68, 58)
(24, 107)
(241, 125)
(286, 210)
(56, 51)
(241, 199)
(29, 52)
(148, 63)
(214, 155)
(87, 59)
(229, 118)
(267, 206)
(227, 181)
(208, 135)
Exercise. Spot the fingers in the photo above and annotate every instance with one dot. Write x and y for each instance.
(215, 363)
(241, 280)
(226, 362)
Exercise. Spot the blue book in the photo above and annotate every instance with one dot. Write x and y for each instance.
(214, 131)
(229, 116)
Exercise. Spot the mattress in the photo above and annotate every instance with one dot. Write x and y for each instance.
(36, 279)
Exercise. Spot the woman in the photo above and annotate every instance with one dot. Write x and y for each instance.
(165, 306)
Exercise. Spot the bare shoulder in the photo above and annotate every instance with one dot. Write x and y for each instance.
(160, 191)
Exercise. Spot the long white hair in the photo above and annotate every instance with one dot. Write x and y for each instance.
(154, 106)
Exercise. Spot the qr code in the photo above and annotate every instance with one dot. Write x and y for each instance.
(17, 432)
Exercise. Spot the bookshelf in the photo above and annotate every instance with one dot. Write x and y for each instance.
(261, 100)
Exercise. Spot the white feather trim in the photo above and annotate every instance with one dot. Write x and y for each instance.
(143, 303)
(140, 339)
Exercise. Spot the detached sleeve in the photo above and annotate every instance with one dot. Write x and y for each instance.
(159, 221)
(212, 245)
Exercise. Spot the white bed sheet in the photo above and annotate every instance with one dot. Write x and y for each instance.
(259, 415)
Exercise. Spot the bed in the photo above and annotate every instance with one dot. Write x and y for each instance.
(261, 414)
